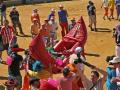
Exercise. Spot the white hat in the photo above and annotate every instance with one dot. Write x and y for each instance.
(115, 60)
(78, 49)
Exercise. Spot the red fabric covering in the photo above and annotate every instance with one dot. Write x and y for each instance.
(26, 83)
(76, 37)
(38, 51)
(44, 85)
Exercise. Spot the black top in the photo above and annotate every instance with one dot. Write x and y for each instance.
(14, 68)
(91, 10)
(14, 15)
(3, 7)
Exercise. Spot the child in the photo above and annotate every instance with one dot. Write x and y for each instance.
(34, 27)
(35, 15)
(45, 31)
(53, 33)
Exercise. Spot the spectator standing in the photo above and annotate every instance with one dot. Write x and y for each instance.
(65, 82)
(62, 13)
(14, 68)
(117, 4)
(35, 15)
(53, 31)
(106, 7)
(52, 14)
(6, 33)
(111, 4)
(14, 15)
(95, 82)
(2, 11)
(72, 24)
(117, 40)
(34, 27)
(111, 74)
(92, 15)
(45, 31)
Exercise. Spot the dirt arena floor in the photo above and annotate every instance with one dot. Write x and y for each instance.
(98, 43)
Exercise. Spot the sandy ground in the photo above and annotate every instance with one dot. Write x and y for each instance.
(100, 42)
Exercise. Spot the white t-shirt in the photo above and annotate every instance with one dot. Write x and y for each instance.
(54, 26)
(105, 3)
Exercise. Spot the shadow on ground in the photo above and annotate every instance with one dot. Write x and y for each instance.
(103, 30)
(3, 78)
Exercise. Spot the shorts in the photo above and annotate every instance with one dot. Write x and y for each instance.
(18, 79)
(92, 19)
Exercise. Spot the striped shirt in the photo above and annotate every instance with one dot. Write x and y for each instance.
(7, 33)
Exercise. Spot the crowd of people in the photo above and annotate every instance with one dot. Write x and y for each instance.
(38, 72)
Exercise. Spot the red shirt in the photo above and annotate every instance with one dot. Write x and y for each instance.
(7, 33)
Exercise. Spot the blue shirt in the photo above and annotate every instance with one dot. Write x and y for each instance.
(91, 10)
(37, 66)
(62, 16)
(50, 15)
(111, 73)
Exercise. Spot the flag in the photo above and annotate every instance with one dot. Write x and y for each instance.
(38, 51)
